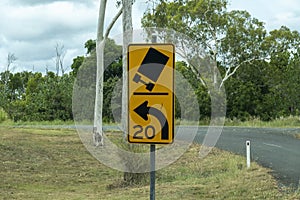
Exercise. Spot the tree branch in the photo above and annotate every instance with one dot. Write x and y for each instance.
(112, 23)
(229, 74)
(192, 67)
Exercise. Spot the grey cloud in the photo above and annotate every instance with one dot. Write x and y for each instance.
(31, 28)
(50, 32)
(39, 2)
(45, 49)
(42, 54)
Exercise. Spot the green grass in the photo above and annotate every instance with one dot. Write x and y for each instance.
(53, 164)
(36, 123)
(283, 122)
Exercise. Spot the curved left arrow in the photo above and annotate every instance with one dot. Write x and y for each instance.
(143, 111)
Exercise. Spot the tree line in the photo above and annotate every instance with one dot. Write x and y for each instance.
(260, 69)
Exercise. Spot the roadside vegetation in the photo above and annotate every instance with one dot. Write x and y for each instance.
(282, 122)
(11, 123)
(53, 164)
(259, 69)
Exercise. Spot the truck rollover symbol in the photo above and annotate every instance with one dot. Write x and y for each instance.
(151, 67)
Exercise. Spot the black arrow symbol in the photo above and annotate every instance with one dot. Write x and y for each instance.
(143, 111)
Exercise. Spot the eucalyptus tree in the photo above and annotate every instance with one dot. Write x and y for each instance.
(230, 39)
(97, 131)
(11, 58)
(59, 59)
(127, 38)
(282, 76)
(100, 43)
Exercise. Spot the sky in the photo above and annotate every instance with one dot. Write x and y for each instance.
(30, 29)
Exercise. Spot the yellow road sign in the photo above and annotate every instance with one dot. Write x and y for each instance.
(150, 93)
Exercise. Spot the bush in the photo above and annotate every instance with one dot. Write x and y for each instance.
(3, 115)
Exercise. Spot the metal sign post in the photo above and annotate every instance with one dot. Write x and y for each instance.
(152, 172)
(151, 98)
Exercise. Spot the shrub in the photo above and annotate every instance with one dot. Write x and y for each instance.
(3, 115)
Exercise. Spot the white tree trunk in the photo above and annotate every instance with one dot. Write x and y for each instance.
(97, 132)
(127, 38)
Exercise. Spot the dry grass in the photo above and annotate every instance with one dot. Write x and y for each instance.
(53, 164)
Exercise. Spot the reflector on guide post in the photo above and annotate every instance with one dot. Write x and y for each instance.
(150, 93)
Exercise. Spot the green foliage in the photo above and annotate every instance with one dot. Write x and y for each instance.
(203, 98)
(77, 62)
(3, 115)
(230, 38)
(27, 96)
(90, 45)
(260, 70)
(48, 97)
(86, 83)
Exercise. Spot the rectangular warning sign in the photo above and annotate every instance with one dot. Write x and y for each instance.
(151, 93)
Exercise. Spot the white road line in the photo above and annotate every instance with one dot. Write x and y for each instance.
(272, 145)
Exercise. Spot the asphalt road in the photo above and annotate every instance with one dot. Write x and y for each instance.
(274, 148)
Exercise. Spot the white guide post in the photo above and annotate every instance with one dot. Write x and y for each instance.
(248, 153)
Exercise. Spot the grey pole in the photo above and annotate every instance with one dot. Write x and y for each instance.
(152, 156)
(152, 172)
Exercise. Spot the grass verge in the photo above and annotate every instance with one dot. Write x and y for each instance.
(283, 122)
(36, 123)
(53, 164)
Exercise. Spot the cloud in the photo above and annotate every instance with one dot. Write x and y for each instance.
(31, 28)
(40, 2)
(275, 13)
(46, 21)
(288, 14)
(31, 31)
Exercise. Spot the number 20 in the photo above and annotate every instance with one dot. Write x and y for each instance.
(149, 132)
